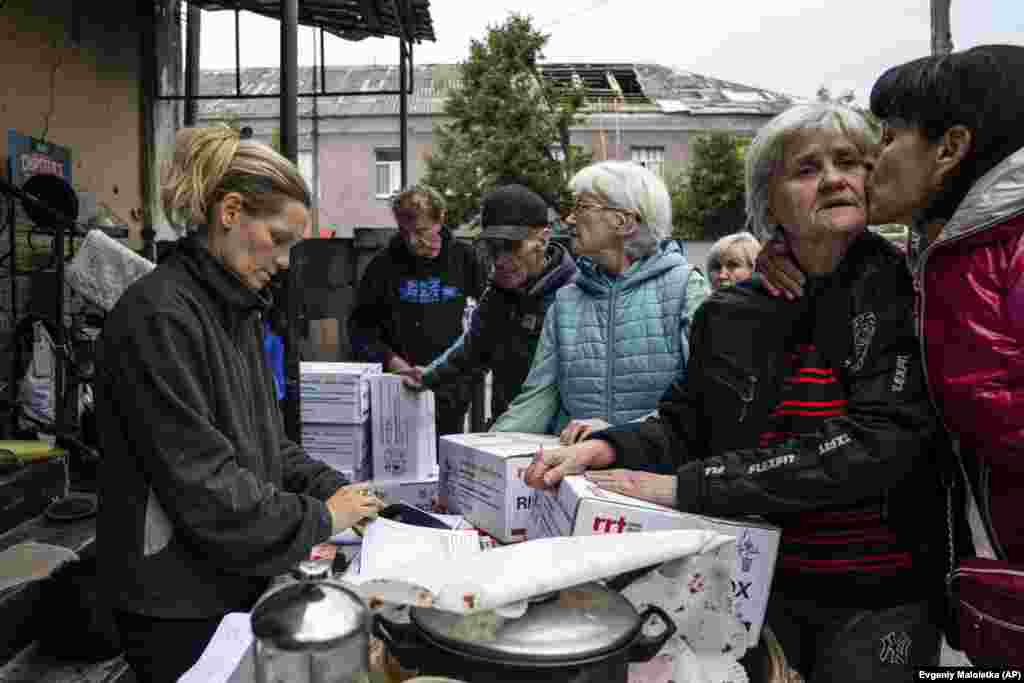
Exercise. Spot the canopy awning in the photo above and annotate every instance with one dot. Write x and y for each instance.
(348, 19)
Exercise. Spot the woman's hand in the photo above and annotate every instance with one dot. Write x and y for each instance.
(778, 270)
(413, 378)
(550, 467)
(655, 488)
(352, 504)
(577, 430)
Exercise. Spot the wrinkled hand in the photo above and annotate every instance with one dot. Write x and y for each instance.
(781, 274)
(655, 488)
(352, 504)
(550, 467)
(397, 365)
(577, 430)
(413, 378)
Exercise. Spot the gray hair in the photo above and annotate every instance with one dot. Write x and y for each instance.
(765, 154)
(745, 240)
(630, 186)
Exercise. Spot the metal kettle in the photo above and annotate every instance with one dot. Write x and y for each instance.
(311, 630)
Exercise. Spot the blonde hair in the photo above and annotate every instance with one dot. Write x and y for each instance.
(744, 242)
(210, 162)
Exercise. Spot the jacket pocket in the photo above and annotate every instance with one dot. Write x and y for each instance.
(735, 378)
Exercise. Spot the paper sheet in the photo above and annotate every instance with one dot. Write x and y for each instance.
(513, 573)
(228, 658)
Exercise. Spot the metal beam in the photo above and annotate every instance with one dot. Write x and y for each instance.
(403, 116)
(195, 19)
(290, 149)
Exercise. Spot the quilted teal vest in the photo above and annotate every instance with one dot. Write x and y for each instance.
(618, 338)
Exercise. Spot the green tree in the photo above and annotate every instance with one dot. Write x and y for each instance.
(508, 122)
(708, 201)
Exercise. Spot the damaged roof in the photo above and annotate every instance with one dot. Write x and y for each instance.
(626, 88)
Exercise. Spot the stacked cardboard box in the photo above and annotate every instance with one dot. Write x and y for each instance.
(579, 508)
(335, 399)
(404, 436)
(482, 480)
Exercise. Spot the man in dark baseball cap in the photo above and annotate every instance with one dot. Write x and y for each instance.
(505, 328)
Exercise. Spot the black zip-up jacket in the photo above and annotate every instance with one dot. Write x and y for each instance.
(412, 306)
(202, 496)
(504, 332)
(709, 427)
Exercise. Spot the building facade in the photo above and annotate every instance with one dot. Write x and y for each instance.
(349, 146)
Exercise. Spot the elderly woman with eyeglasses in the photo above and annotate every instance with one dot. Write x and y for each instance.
(616, 338)
(811, 413)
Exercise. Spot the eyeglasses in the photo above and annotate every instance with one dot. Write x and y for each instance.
(581, 207)
(497, 247)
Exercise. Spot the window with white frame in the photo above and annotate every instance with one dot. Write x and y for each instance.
(557, 152)
(389, 172)
(651, 158)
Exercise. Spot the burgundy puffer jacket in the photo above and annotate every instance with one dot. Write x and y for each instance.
(972, 321)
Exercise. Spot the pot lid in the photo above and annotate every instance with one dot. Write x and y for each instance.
(575, 624)
(309, 615)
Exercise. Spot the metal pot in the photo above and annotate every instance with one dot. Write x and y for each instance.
(585, 634)
(312, 630)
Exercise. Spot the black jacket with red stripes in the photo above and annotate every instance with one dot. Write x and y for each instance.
(880, 452)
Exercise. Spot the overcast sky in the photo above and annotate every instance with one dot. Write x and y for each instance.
(790, 46)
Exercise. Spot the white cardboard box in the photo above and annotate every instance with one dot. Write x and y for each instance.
(580, 508)
(404, 435)
(482, 480)
(342, 446)
(419, 494)
(336, 393)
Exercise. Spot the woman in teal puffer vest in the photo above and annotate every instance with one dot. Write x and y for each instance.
(615, 339)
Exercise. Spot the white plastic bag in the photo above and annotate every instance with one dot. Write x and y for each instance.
(37, 392)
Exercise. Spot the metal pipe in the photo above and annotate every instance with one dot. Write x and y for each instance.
(238, 52)
(195, 22)
(323, 69)
(289, 109)
(403, 116)
(147, 47)
(264, 96)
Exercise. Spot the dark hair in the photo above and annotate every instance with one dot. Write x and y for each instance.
(980, 89)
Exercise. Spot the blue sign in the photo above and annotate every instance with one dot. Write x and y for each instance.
(28, 156)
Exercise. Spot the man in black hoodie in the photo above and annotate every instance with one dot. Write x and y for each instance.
(413, 295)
(528, 270)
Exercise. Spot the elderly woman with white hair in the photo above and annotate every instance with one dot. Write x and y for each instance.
(813, 414)
(616, 338)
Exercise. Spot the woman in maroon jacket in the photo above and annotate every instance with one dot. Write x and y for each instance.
(952, 160)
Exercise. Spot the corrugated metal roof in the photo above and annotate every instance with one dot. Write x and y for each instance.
(631, 88)
(348, 19)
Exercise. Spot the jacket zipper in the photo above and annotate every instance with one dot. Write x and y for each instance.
(982, 616)
(610, 350)
(746, 396)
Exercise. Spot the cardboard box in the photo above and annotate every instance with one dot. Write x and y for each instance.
(482, 480)
(404, 435)
(579, 508)
(336, 393)
(419, 494)
(343, 447)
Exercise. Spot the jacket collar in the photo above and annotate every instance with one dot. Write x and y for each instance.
(591, 277)
(996, 197)
(227, 289)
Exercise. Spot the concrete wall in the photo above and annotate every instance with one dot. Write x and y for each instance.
(81, 59)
